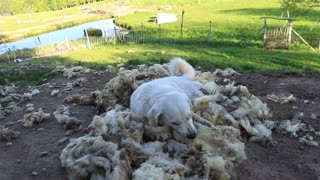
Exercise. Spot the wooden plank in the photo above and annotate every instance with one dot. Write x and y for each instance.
(268, 17)
(303, 40)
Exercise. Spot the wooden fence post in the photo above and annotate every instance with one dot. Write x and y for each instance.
(115, 33)
(67, 42)
(21, 51)
(142, 34)
(305, 42)
(159, 33)
(14, 53)
(289, 32)
(210, 31)
(88, 40)
(265, 28)
(181, 29)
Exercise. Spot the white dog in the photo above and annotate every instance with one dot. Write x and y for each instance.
(168, 99)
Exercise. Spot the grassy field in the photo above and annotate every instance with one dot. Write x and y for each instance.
(236, 39)
(249, 59)
(25, 25)
(232, 20)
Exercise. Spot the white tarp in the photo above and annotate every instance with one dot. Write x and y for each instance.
(165, 18)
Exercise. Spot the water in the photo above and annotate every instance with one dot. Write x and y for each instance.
(107, 26)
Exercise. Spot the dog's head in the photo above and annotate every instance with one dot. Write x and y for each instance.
(176, 111)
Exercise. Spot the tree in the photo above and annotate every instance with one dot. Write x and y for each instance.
(62, 4)
(299, 6)
(52, 5)
(5, 7)
(12, 7)
(72, 3)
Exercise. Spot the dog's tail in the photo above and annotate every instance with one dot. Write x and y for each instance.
(180, 67)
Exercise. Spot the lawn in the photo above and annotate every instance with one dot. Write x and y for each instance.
(248, 59)
(231, 20)
(236, 39)
(25, 25)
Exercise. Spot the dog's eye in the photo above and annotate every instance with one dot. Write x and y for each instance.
(174, 123)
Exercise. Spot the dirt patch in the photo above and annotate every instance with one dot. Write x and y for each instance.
(35, 153)
(288, 159)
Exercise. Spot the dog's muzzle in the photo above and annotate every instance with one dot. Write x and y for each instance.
(191, 131)
(191, 135)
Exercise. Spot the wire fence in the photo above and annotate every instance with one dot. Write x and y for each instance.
(140, 35)
(12, 54)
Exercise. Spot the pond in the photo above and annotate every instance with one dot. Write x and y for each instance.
(107, 26)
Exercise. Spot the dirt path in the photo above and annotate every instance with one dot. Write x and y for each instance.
(37, 149)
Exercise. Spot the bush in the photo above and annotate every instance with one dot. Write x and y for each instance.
(93, 32)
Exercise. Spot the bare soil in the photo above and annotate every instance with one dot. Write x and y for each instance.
(35, 153)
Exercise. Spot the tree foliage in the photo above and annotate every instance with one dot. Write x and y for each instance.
(299, 6)
(12, 7)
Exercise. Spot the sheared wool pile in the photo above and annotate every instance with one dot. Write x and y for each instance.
(83, 99)
(12, 108)
(26, 66)
(281, 100)
(62, 115)
(296, 129)
(105, 152)
(29, 107)
(77, 83)
(234, 105)
(10, 99)
(32, 118)
(122, 144)
(2, 113)
(7, 134)
(212, 154)
(88, 158)
(72, 71)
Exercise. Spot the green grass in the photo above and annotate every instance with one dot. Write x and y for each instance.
(26, 78)
(25, 25)
(208, 57)
(245, 60)
(236, 39)
(231, 19)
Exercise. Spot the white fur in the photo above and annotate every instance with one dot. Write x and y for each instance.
(178, 67)
(169, 99)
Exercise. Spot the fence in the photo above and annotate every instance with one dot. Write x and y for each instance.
(15, 52)
(141, 34)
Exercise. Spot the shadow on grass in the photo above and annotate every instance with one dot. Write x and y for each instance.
(223, 55)
(207, 56)
(254, 11)
(27, 77)
(312, 15)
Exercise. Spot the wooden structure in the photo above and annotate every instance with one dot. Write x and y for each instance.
(277, 37)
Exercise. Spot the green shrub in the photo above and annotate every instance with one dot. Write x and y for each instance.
(93, 32)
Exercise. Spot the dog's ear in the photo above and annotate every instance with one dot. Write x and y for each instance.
(153, 116)
(190, 103)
